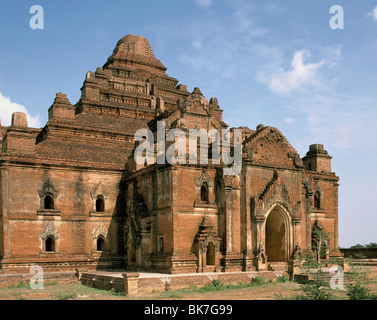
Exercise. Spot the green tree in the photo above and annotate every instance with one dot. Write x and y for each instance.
(317, 287)
(357, 246)
(359, 289)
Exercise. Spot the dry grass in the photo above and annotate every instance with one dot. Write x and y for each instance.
(74, 291)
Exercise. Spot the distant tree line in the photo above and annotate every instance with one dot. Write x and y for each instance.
(370, 245)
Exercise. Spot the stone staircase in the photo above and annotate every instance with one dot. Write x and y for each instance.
(366, 262)
(326, 277)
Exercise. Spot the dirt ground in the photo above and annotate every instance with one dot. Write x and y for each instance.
(76, 291)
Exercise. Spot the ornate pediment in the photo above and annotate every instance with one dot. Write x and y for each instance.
(269, 146)
(195, 103)
(98, 190)
(203, 178)
(100, 230)
(274, 193)
(48, 188)
(49, 231)
(203, 183)
(206, 234)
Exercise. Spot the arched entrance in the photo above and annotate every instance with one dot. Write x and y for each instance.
(276, 237)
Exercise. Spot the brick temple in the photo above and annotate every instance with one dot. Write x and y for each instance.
(72, 195)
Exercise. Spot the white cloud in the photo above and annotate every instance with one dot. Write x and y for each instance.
(289, 120)
(284, 82)
(221, 46)
(333, 52)
(272, 8)
(7, 108)
(197, 45)
(204, 3)
(342, 121)
(243, 18)
(373, 14)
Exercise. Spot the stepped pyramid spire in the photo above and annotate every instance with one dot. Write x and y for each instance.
(134, 50)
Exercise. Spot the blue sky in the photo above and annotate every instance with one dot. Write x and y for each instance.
(273, 62)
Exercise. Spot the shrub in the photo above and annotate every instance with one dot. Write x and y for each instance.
(258, 281)
(115, 293)
(217, 283)
(22, 284)
(283, 278)
(358, 292)
(67, 296)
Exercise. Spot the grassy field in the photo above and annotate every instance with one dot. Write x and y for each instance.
(259, 290)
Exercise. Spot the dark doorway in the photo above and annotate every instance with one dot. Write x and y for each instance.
(211, 254)
(275, 237)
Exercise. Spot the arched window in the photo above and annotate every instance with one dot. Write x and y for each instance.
(317, 200)
(310, 166)
(100, 243)
(204, 193)
(100, 204)
(50, 244)
(48, 202)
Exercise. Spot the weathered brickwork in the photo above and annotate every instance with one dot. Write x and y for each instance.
(139, 284)
(72, 195)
